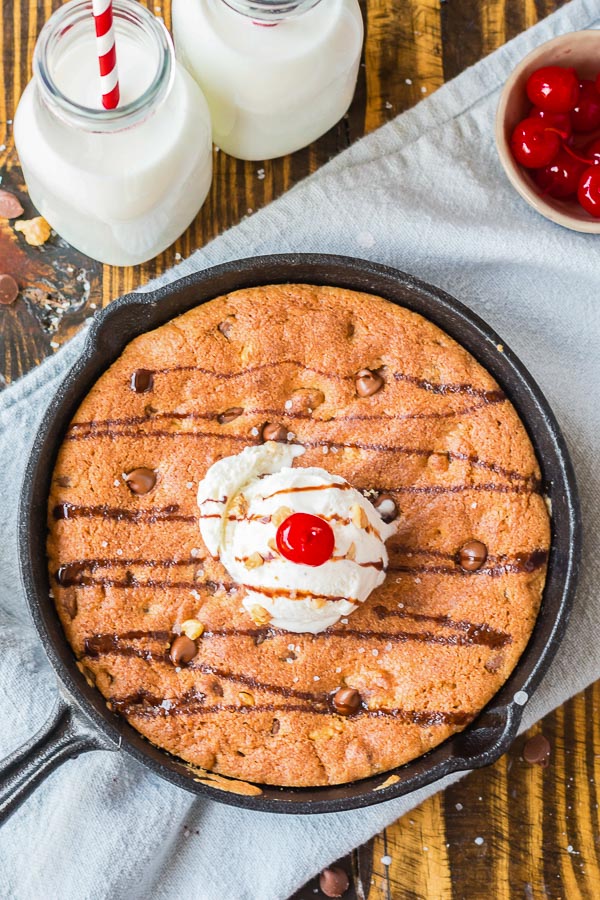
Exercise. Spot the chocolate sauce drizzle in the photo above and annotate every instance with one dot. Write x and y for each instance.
(106, 425)
(145, 705)
(73, 574)
(118, 514)
(521, 563)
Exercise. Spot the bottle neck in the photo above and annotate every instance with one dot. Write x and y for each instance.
(73, 22)
(270, 12)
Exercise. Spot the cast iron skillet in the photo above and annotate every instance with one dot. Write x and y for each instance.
(81, 720)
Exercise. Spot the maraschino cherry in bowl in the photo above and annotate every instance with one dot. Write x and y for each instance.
(548, 130)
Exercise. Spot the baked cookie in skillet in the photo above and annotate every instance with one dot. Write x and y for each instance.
(384, 401)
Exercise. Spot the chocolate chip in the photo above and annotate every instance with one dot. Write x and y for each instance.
(63, 481)
(275, 726)
(69, 603)
(274, 432)
(62, 510)
(10, 207)
(182, 651)
(226, 326)
(472, 556)
(229, 415)
(334, 882)
(368, 382)
(346, 701)
(141, 481)
(9, 290)
(494, 663)
(69, 574)
(142, 381)
(537, 751)
(386, 507)
(216, 688)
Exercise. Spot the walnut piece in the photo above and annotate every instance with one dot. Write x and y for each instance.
(359, 516)
(280, 515)
(35, 231)
(254, 561)
(259, 615)
(192, 628)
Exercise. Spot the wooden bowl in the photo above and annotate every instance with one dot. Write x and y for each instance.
(581, 50)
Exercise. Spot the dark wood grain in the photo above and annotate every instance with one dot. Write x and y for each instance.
(539, 827)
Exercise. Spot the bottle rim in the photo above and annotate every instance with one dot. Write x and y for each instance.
(78, 14)
(270, 11)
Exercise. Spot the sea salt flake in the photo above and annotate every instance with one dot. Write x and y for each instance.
(478, 841)
(338, 669)
(119, 553)
(104, 544)
(375, 652)
(254, 431)
(408, 81)
(474, 505)
(361, 649)
(423, 90)
(316, 678)
(388, 105)
(178, 668)
(295, 679)
(325, 449)
(386, 860)
(167, 704)
(195, 552)
(190, 485)
(417, 581)
(344, 621)
(401, 606)
(116, 482)
(459, 806)
(388, 646)
(290, 646)
(288, 404)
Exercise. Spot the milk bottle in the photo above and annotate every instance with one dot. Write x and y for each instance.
(276, 73)
(120, 184)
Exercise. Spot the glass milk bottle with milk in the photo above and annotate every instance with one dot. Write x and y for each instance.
(277, 74)
(118, 184)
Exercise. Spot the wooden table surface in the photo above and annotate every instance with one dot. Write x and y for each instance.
(513, 830)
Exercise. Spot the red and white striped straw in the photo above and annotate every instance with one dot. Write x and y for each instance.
(107, 54)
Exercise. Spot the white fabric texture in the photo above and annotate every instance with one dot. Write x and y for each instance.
(425, 193)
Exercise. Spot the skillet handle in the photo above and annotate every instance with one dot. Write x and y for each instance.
(64, 736)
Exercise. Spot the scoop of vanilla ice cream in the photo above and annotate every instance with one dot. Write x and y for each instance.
(244, 498)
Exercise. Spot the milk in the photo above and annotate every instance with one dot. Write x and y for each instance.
(118, 185)
(271, 89)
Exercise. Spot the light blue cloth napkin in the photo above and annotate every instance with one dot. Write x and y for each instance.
(426, 194)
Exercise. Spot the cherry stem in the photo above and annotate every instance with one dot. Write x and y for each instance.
(582, 159)
(564, 137)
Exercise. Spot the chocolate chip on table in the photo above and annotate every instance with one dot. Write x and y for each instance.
(9, 290)
(274, 432)
(10, 207)
(140, 481)
(387, 508)
(368, 382)
(472, 555)
(537, 751)
(142, 381)
(334, 882)
(346, 701)
(182, 650)
(229, 415)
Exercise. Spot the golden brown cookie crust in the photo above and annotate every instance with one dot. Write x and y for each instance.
(428, 649)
